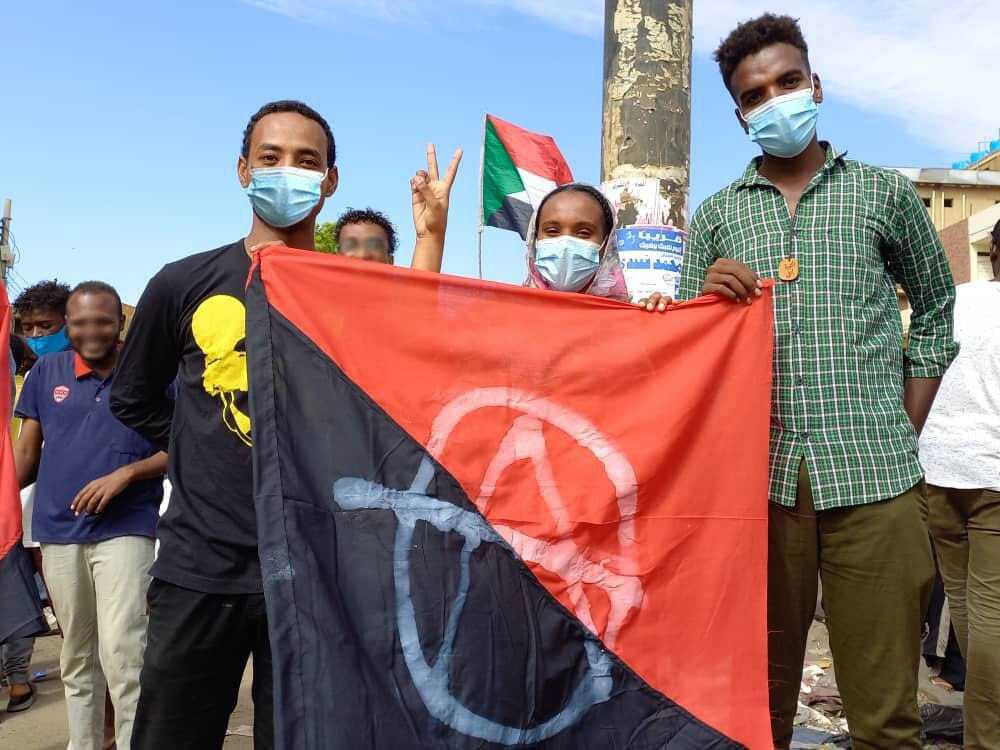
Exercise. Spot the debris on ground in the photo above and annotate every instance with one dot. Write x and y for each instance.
(805, 738)
(810, 718)
(820, 722)
(825, 700)
(942, 723)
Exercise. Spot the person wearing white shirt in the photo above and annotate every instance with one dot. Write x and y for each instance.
(960, 452)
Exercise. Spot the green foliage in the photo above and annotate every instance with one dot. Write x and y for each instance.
(326, 240)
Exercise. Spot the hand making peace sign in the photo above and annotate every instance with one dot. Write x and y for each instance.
(431, 194)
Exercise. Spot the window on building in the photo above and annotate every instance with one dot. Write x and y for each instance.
(927, 202)
(984, 269)
(948, 202)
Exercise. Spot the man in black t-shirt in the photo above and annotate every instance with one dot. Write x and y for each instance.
(206, 606)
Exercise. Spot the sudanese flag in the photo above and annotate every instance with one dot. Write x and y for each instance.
(519, 169)
(496, 517)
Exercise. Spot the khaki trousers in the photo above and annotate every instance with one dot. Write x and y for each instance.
(965, 525)
(877, 572)
(98, 592)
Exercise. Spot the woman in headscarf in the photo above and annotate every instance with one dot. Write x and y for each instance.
(571, 247)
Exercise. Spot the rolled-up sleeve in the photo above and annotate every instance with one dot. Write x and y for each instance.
(918, 262)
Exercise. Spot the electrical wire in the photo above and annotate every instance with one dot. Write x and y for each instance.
(17, 273)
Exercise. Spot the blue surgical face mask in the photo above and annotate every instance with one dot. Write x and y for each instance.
(51, 344)
(283, 196)
(567, 263)
(785, 125)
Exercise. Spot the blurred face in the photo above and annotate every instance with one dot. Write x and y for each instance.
(364, 241)
(774, 71)
(571, 213)
(35, 323)
(93, 323)
(288, 139)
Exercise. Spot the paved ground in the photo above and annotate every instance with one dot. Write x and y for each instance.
(43, 726)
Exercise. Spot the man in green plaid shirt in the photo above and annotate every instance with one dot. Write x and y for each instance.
(847, 402)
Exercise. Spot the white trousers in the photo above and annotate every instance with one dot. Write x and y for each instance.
(99, 595)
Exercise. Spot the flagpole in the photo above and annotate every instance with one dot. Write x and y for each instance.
(482, 163)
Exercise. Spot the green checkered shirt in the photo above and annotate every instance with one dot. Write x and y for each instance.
(839, 364)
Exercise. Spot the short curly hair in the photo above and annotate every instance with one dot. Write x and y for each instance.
(367, 216)
(98, 287)
(45, 295)
(750, 37)
(290, 105)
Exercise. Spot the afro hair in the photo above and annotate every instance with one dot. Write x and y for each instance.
(750, 37)
(45, 295)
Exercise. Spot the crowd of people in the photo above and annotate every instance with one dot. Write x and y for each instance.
(163, 638)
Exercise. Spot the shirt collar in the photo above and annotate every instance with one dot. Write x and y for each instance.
(752, 177)
(80, 368)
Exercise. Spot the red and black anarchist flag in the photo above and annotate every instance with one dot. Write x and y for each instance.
(20, 610)
(10, 503)
(496, 517)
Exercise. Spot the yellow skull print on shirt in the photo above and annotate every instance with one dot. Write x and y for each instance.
(219, 326)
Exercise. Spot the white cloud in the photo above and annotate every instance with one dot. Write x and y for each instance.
(927, 63)
(578, 16)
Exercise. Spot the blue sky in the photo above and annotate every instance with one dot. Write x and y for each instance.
(121, 122)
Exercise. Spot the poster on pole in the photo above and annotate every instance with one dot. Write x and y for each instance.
(652, 258)
(636, 200)
(651, 249)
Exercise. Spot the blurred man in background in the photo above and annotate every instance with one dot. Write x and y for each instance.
(99, 487)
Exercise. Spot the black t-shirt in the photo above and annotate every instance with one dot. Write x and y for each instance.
(190, 325)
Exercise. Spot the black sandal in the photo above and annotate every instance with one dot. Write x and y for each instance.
(23, 703)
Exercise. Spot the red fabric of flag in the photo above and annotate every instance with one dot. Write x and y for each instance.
(621, 454)
(10, 501)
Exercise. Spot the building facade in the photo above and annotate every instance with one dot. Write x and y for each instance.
(964, 204)
(953, 195)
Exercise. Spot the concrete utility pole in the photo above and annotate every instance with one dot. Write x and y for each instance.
(6, 256)
(647, 96)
